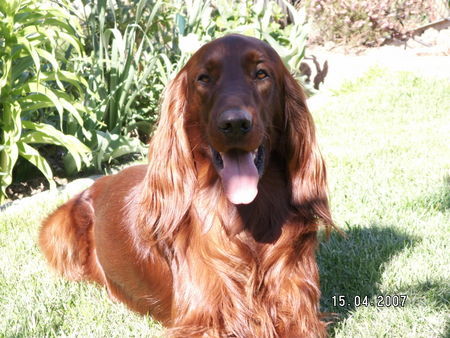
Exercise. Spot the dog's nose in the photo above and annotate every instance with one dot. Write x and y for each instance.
(235, 122)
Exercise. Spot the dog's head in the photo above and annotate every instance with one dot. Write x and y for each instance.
(231, 108)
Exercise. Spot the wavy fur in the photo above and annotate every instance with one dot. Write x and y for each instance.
(165, 240)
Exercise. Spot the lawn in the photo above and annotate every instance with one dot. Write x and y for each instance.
(386, 140)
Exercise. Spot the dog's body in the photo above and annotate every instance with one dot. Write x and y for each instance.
(216, 236)
(70, 237)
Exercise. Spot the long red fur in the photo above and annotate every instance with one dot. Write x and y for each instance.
(164, 239)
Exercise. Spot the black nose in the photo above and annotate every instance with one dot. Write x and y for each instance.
(235, 122)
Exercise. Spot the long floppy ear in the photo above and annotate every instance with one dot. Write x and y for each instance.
(306, 167)
(170, 181)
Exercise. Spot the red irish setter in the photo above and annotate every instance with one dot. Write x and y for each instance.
(216, 236)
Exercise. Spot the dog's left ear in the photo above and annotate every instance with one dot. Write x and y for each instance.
(306, 167)
(171, 179)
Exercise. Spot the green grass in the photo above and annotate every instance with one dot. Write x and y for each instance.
(35, 302)
(385, 138)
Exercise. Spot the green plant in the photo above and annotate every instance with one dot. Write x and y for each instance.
(199, 22)
(117, 57)
(265, 20)
(121, 58)
(36, 38)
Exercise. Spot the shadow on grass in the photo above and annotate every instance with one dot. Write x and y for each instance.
(353, 265)
(447, 328)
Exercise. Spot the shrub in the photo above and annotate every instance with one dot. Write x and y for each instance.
(36, 39)
(363, 22)
(120, 59)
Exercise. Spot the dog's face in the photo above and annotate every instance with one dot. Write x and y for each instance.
(235, 92)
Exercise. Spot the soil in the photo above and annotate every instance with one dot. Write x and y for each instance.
(31, 187)
(28, 180)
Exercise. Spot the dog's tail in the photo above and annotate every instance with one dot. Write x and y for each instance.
(66, 239)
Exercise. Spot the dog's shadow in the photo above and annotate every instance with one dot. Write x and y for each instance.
(351, 265)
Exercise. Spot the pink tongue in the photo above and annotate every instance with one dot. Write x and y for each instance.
(239, 177)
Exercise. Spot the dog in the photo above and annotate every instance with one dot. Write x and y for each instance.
(216, 235)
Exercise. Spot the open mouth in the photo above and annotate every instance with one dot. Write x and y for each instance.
(240, 172)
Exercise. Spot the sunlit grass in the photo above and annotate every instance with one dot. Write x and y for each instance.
(35, 302)
(386, 140)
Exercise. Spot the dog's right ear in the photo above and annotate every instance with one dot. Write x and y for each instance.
(170, 181)
(305, 164)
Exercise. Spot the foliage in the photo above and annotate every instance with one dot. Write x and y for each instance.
(265, 20)
(118, 65)
(201, 22)
(36, 39)
(369, 23)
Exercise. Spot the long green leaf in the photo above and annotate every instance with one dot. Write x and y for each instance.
(9, 7)
(8, 158)
(20, 65)
(58, 137)
(45, 133)
(36, 87)
(33, 156)
(65, 76)
(52, 59)
(31, 50)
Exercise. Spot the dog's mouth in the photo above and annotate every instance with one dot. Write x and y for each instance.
(240, 172)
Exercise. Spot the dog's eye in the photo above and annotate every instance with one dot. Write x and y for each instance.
(204, 78)
(261, 74)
